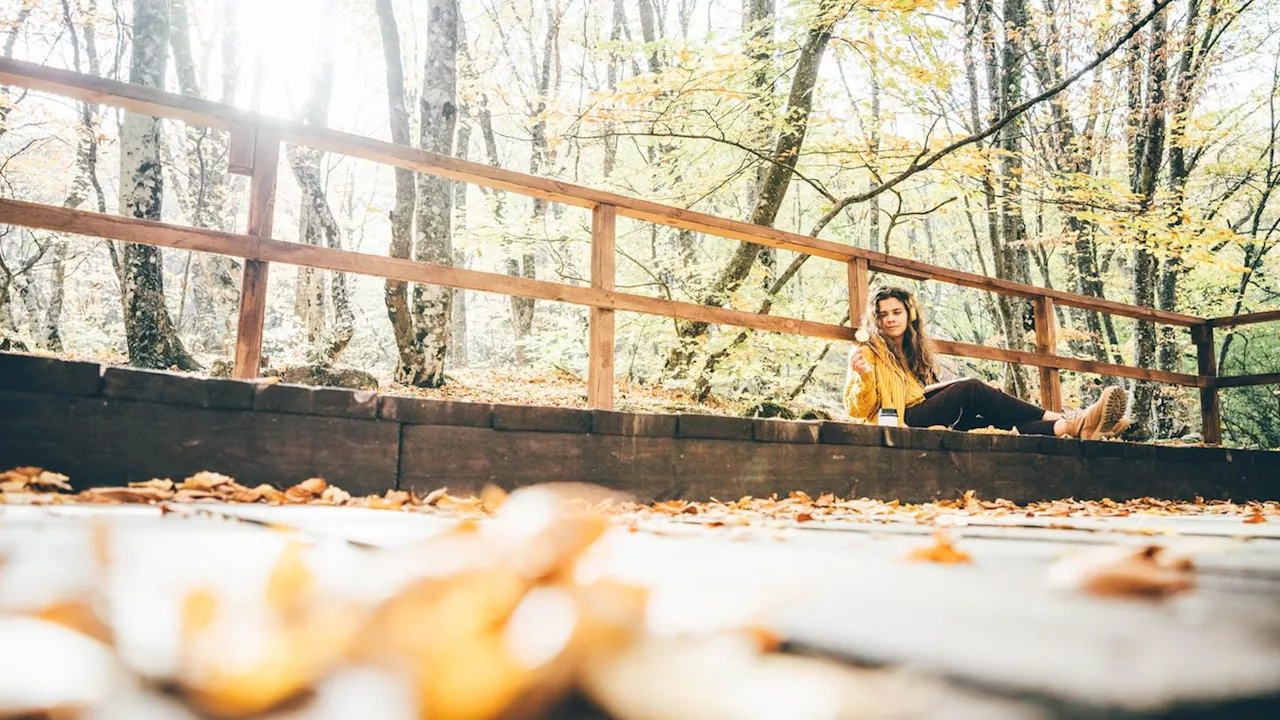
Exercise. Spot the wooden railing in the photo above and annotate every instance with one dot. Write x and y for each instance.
(255, 150)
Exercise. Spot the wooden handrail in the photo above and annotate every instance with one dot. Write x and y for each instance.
(254, 151)
(146, 232)
(204, 112)
(1233, 381)
(1245, 319)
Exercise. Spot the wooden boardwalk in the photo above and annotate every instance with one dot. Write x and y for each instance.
(989, 639)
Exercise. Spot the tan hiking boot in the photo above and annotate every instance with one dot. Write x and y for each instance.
(1104, 418)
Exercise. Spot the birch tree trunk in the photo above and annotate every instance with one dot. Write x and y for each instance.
(433, 242)
(396, 292)
(151, 337)
(326, 338)
(209, 196)
(457, 355)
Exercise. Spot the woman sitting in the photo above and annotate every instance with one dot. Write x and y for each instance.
(893, 367)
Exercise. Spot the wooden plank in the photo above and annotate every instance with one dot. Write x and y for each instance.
(601, 345)
(1210, 402)
(253, 282)
(202, 112)
(112, 441)
(153, 233)
(1247, 380)
(982, 352)
(196, 111)
(145, 232)
(1246, 319)
(923, 271)
(859, 291)
(1047, 344)
(240, 154)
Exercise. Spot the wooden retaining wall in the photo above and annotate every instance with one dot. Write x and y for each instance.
(112, 425)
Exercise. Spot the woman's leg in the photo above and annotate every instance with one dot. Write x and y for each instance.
(971, 404)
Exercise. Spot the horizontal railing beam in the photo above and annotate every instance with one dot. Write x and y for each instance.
(146, 232)
(982, 352)
(112, 227)
(1231, 381)
(1245, 319)
(197, 111)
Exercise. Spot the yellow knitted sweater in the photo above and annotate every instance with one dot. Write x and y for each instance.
(888, 385)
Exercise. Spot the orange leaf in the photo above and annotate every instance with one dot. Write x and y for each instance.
(941, 551)
(1123, 571)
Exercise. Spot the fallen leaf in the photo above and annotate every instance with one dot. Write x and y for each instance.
(1255, 518)
(1124, 571)
(125, 495)
(78, 616)
(804, 517)
(270, 494)
(306, 491)
(33, 479)
(434, 496)
(492, 497)
(335, 495)
(155, 484)
(205, 481)
(941, 551)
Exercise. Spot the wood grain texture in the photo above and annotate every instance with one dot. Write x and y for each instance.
(948, 347)
(1047, 344)
(1246, 319)
(109, 441)
(1231, 381)
(244, 139)
(859, 291)
(253, 282)
(600, 345)
(1210, 401)
(267, 250)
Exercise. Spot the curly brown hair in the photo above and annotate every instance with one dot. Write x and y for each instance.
(916, 354)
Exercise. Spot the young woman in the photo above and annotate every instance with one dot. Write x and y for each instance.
(894, 368)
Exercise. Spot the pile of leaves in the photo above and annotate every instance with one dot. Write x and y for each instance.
(511, 617)
(37, 486)
(802, 508)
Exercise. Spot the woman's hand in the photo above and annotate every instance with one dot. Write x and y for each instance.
(858, 360)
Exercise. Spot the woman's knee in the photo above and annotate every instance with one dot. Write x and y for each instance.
(972, 386)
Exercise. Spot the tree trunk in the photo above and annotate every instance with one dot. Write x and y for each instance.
(209, 195)
(457, 356)
(1146, 155)
(522, 309)
(611, 81)
(758, 24)
(396, 292)
(151, 337)
(1016, 262)
(772, 190)
(434, 242)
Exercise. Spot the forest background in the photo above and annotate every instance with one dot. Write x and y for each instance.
(1122, 150)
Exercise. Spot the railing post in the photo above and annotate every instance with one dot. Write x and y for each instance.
(1210, 409)
(1047, 344)
(262, 198)
(859, 290)
(600, 358)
